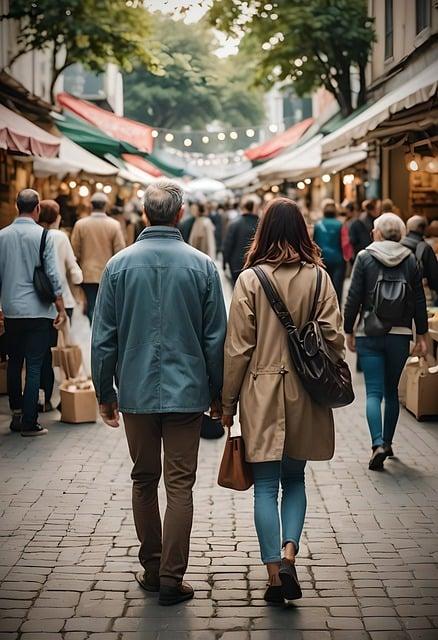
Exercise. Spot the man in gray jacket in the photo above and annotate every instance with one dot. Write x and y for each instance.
(158, 333)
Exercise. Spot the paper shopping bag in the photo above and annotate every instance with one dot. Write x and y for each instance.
(78, 401)
(67, 356)
(422, 389)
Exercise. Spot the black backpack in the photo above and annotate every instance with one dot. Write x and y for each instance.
(393, 299)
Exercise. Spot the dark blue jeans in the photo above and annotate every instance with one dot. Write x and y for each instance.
(337, 275)
(90, 290)
(382, 360)
(27, 340)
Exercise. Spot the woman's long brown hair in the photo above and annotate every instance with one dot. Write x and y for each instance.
(282, 237)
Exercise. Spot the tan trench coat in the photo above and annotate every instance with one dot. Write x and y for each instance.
(202, 236)
(276, 414)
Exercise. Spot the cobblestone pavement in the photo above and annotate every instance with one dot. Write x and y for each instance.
(368, 561)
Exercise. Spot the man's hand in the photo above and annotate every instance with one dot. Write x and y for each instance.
(110, 414)
(216, 409)
(420, 348)
(60, 320)
(227, 421)
(351, 342)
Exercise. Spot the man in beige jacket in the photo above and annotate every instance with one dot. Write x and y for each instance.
(95, 240)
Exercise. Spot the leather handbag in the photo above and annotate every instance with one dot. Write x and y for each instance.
(235, 472)
(211, 428)
(328, 383)
(41, 282)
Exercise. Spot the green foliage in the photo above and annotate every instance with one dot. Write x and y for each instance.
(196, 87)
(326, 37)
(91, 32)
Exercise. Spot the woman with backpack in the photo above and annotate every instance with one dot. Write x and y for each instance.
(328, 236)
(282, 425)
(386, 294)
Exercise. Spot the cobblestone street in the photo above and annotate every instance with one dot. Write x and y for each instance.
(368, 561)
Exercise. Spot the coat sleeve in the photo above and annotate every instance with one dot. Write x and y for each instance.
(420, 310)
(240, 343)
(104, 349)
(356, 295)
(214, 329)
(71, 266)
(330, 319)
(211, 240)
(51, 265)
(118, 240)
(430, 267)
(76, 242)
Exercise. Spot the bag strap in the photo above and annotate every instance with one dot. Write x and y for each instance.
(43, 246)
(274, 299)
(317, 293)
(419, 252)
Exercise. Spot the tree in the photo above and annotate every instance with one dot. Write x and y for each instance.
(307, 44)
(86, 31)
(197, 87)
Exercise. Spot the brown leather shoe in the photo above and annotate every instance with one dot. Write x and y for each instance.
(174, 595)
(148, 581)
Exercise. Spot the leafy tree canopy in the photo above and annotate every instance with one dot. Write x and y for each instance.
(196, 87)
(86, 31)
(307, 44)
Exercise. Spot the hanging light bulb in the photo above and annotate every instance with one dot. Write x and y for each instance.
(221, 136)
(273, 128)
(348, 178)
(154, 133)
(301, 185)
(72, 184)
(187, 142)
(169, 137)
(250, 133)
(307, 181)
(413, 165)
(275, 188)
(234, 135)
(84, 191)
(326, 177)
(205, 139)
(99, 186)
(140, 193)
(107, 188)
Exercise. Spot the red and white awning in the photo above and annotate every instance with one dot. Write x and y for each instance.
(19, 134)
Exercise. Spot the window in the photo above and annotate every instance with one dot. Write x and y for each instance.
(389, 29)
(422, 13)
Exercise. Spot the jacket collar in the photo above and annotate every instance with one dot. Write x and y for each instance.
(160, 231)
(98, 214)
(23, 220)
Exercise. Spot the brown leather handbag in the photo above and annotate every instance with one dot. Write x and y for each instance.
(235, 472)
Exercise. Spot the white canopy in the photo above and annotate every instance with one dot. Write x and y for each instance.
(295, 163)
(416, 90)
(134, 174)
(205, 185)
(72, 159)
(344, 159)
(243, 179)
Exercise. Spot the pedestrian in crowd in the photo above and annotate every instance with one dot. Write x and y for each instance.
(416, 228)
(327, 235)
(28, 320)
(362, 227)
(69, 272)
(159, 330)
(385, 325)
(282, 427)
(240, 234)
(188, 220)
(347, 248)
(216, 219)
(95, 240)
(387, 206)
(223, 212)
(201, 236)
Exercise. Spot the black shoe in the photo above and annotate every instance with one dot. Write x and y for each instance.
(148, 581)
(290, 587)
(16, 422)
(274, 595)
(35, 430)
(45, 408)
(388, 450)
(174, 595)
(377, 459)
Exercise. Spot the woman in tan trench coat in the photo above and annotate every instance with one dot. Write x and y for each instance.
(282, 427)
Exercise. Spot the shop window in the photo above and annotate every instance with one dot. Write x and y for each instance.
(389, 29)
(422, 14)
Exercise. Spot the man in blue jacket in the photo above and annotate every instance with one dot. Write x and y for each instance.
(158, 334)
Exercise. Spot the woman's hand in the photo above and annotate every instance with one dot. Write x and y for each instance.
(227, 421)
(420, 348)
(351, 342)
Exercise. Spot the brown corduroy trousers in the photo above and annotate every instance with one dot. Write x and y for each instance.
(163, 550)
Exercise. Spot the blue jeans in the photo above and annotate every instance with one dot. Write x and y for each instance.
(27, 340)
(337, 275)
(90, 289)
(267, 477)
(382, 359)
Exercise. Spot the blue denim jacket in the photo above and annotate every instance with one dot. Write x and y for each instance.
(159, 327)
(19, 255)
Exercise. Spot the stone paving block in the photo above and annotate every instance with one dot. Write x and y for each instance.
(42, 625)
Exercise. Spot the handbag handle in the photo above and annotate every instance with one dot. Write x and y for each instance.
(43, 246)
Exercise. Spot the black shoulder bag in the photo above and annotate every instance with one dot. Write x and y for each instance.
(328, 383)
(41, 282)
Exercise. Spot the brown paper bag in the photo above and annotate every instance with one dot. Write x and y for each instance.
(411, 362)
(422, 389)
(78, 401)
(67, 356)
(3, 377)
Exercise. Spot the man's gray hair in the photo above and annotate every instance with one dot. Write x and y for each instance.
(162, 201)
(390, 226)
(27, 200)
(418, 224)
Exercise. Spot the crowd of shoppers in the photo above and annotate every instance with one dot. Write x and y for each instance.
(163, 353)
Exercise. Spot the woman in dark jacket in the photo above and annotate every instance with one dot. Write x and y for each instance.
(382, 357)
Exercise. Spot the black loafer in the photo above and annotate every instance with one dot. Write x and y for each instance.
(274, 595)
(290, 587)
(388, 450)
(175, 595)
(148, 581)
(377, 459)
